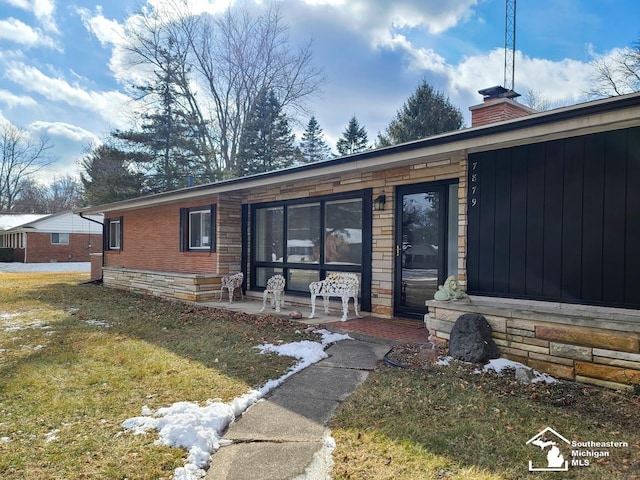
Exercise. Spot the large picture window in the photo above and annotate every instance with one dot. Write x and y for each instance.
(305, 239)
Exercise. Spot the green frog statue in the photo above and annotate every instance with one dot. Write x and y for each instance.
(449, 291)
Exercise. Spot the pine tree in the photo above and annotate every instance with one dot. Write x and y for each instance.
(354, 139)
(266, 143)
(427, 112)
(106, 177)
(165, 144)
(313, 147)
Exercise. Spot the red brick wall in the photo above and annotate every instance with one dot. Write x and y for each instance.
(151, 241)
(493, 111)
(39, 248)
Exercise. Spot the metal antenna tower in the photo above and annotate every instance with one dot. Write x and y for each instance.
(509, 44)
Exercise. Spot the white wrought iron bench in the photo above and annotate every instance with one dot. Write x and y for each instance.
(275, 288)
(343, 285)
(232, 283)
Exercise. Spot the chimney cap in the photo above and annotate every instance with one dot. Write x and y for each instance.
(497, 92)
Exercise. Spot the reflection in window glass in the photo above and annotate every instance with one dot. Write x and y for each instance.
(265, 273)
(343, 228)
(199, 229)
(303, 233)
(269, 234)
(300, 279)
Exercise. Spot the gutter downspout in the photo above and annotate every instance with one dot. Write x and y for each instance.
(101, 225)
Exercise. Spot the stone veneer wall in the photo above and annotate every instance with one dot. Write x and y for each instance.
(172, 286)
(594, 345)
(382, 181)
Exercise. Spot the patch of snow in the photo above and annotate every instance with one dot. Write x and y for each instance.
(97, 323)
(500, 364)
(199, 429)
(444, 361)
(51, 436)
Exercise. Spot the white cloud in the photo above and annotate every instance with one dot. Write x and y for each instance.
(43, 10)
(66, 130)
(110, 105)
(108, 32)
(17, 31)
(12, 101)
(380, 20)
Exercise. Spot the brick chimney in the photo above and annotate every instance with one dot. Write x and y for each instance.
(498, 105)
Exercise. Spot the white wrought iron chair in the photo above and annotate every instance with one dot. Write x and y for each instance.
(232, 283)
(275, 288)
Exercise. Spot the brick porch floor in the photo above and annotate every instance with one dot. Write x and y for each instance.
(398, 330)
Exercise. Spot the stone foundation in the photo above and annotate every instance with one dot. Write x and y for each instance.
(172, 286)
(596, 345)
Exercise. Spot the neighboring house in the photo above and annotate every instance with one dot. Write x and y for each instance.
(536, 214)
(60, 237)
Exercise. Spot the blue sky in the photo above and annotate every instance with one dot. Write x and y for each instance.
(60, 72)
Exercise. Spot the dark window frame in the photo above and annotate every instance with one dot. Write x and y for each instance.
(364, 269)
(107, 234)
(185, 228)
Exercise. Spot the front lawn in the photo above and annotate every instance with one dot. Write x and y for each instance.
(78, 360)
(449, 422)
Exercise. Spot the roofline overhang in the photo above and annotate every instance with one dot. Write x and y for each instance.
(595, 116)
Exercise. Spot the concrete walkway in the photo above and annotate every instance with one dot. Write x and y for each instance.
(283, 436)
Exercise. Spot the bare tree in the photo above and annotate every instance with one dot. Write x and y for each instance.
(618, 74)
(20, 157)
(63, 194)
(228, 60)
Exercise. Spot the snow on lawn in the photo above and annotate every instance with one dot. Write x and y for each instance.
(199, 429)
(18, 267)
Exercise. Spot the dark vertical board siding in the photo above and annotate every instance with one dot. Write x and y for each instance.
(487, 223)
(473, 222)
(593, 218)
(502, 221)
(518, 227)
(614, 217)
(572, 219)
(632, 273)
(552, 239)
(535, 215)
(559, 221)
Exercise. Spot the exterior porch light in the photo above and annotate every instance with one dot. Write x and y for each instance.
(378, 203)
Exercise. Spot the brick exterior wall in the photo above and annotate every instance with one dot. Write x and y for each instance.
(561, 342)
(497, 110)
(151, 240)
(40, 250)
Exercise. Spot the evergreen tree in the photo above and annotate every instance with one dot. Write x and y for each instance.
(166, 143)
(106, 177)
(427, 112)
(354, 139)
(313, 147)
(266, 143)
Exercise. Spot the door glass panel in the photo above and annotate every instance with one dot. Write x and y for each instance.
(420, 248)
(343, 232)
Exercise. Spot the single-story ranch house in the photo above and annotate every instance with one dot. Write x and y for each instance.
(59, 237)
(536, 214)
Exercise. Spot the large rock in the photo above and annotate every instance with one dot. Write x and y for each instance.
(470, 339)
